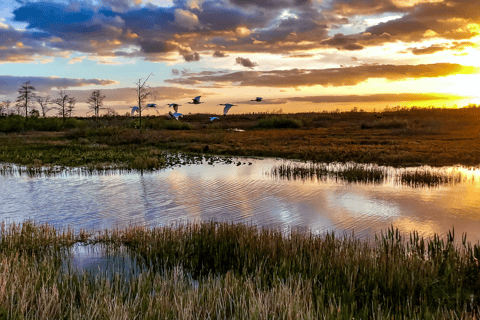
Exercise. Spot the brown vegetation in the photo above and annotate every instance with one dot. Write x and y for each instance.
(402, 137)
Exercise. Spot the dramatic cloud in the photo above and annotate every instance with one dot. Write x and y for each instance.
(245, 62)
(458, 46)
(10, 84)
(348, 76)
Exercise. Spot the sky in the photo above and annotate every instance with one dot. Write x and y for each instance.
(298, 55)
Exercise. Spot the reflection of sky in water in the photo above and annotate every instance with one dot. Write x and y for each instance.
(226, 192)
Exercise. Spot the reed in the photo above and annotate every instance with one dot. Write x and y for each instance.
(353, 172)
(221, 270)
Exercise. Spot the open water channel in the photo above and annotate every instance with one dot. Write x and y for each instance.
(246, 193)
(243, 190)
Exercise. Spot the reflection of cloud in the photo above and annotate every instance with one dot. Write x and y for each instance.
(347, 76)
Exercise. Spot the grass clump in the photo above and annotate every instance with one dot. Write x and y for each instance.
(235, 271)
(279, 122)
(386, 124)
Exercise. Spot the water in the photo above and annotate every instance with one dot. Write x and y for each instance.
(246, 193)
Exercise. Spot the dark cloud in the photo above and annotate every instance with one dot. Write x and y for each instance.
(377, 98)
(10, 84)
(194, 56)
(245, 62)
(347, 76)
(459, 46)
(218, 54)
(175, 72)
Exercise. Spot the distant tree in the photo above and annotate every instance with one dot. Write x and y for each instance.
(65, 103)
(111, 113)
(44, 103)
(71, 106)
(6, 106)
(34, 113)
(26, 96)
(144, 92)
(95, 102)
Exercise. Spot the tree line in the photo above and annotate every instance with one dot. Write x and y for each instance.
(29, 104)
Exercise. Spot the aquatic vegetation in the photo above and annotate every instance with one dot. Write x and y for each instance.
(222, 270)
(368, 173)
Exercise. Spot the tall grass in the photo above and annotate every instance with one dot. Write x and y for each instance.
(235, 271)
(279, 122)
(354, 172)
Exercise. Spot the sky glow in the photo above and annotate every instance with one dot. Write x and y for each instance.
(299, 55)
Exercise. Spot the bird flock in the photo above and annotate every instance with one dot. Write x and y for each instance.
(176, 115)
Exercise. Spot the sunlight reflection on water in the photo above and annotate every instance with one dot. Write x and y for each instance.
(245, 193)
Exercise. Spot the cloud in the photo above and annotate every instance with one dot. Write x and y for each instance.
(458, 46)
(186, 19)
(10, 84)
(127, 95)
(348, 76)
(194, 56)
(218, 54)
(387, 97)
(245, 62)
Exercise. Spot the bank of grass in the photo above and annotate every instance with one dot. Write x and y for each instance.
(235, 271)
(403, 137)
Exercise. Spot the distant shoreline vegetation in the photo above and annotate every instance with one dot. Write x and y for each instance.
(222, 270)
(398, 136)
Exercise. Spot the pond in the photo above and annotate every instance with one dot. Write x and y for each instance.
(246, 190)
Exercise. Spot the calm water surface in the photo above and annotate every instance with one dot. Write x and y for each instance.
(245, 193)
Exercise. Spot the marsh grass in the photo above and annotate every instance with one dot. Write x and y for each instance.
(16, 123)
(236, 271)
(279, 122)
(367, 173)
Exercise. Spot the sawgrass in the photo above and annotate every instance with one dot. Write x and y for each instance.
(221, 270)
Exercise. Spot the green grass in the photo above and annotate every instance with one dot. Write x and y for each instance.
(15, 123)
(235, 271)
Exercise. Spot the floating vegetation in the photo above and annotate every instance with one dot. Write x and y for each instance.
(237, 271)
(368, 173)
(150, 163)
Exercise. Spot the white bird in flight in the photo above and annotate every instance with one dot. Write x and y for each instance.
(214, 118)
(227, 107)
(134, 109)
(175, 115)
(151, 105)
(196, 100)
(174, 106)
(257, 99)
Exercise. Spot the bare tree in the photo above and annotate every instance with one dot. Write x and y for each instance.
(44, 103)
(71, 106)
(26, 96)
(65, 103)
(95, 102)
(144, 92)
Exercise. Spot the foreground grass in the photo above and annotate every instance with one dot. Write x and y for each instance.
(437, 137)
(235, 271)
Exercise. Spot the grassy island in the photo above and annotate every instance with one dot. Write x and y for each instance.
(398, 137)
(226, 271)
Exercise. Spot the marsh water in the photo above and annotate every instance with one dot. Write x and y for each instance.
(243, 190)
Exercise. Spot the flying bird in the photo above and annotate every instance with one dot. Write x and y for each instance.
(214, 118)
(175, 115)
(134, 109)
(257, 99)
(227, 107)
(196, 100)
(174, 106)
(151, 105)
